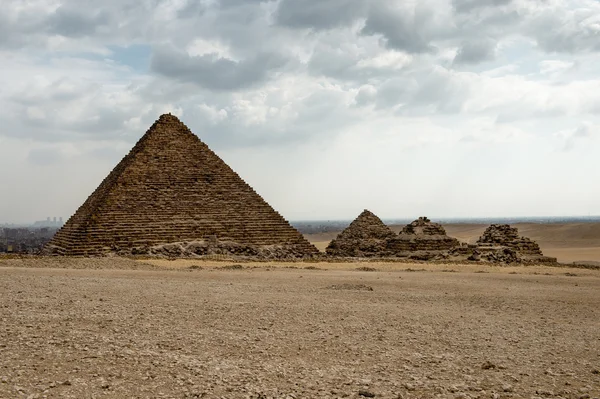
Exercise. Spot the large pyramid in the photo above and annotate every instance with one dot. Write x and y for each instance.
(172, 195)
(365, 237)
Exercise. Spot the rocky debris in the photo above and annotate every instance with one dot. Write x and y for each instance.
(231, 267)
(501, 243)
(366, 236)
(366, 394)
(422, 235)
(475, 256)
(171, 188)
(501, 255)
(209, 248)
(505, 236)
(487, 365)
(348, 286)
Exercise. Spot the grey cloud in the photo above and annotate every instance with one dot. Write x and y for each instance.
(195, 8)
(73, 22)
(442, 91)
(421, 93)
(465, 6)
(42, 113)
(237, 3)
(35, 25)
(191, 9)
(319, 14)
(213, 72)
(337, 64)
(322, 114)
(476, 51)
(58, 92)
(20, 28)
(402, 29)
(365, 96)
(566, 31)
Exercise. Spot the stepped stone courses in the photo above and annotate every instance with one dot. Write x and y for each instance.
(506, 236)
(502, 243)
(172, 195)
(422, 235)
(366, 236)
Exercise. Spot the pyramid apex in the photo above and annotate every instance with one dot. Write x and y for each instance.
(168, 118)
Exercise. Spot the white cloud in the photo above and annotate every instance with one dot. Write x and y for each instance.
(356, 102)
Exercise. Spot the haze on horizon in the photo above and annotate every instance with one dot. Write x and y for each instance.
(461, 108)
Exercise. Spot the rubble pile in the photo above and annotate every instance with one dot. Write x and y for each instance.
(502, 243)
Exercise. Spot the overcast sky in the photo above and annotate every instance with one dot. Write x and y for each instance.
(462, 108)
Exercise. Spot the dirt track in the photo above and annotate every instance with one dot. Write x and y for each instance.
(281, 333)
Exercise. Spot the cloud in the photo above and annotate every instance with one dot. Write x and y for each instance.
(465, 6)
(212, 71)
(407, 27)
(582, 132)
(351, 83)
(319, 14)
(476, 51)
(565, 30)
(77, 23)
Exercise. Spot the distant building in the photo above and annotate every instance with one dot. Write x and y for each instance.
(49, 222)
(26, 240)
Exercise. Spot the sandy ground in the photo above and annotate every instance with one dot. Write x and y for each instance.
(569, 242)
(97, 328)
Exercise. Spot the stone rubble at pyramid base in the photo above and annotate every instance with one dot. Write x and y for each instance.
(504, 254)
(403, 243)
(195, 249)
(360, 248)
(500, 255)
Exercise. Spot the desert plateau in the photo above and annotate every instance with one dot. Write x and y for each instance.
(157, 328)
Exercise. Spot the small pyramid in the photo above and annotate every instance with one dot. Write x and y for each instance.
(422, 235)
(503, 235)
(172, 195)
(366, 236)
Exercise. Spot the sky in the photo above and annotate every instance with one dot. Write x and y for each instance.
(443, 108)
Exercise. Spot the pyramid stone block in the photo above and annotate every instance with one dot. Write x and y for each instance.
(366, 236)
(506, 236)
(502, 243)
(172, 195)
(422, 235)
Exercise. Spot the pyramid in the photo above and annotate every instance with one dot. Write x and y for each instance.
(365, 237)
(172, 195)
(502, 235)
(422, 235)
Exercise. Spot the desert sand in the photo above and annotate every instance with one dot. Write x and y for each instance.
(117, 328)
(568, 242)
